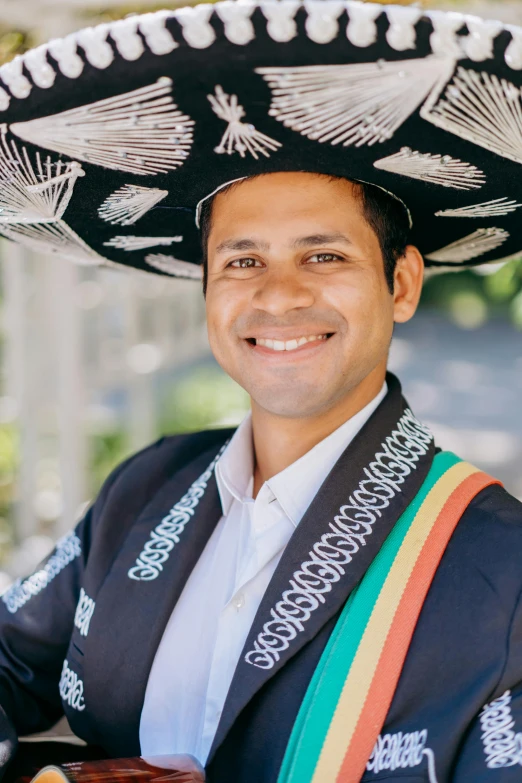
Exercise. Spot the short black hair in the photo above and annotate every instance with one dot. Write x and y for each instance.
(386, 215)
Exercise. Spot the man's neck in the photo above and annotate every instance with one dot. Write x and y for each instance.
(279, 442)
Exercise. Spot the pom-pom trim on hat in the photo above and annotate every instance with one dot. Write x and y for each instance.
(132, 37)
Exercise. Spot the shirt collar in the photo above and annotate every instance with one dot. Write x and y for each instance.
(296, 486)
(235, 467)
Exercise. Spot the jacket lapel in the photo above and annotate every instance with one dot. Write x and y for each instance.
(338, 537)
(138, 595)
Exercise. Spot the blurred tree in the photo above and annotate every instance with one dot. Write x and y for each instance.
(205, 397)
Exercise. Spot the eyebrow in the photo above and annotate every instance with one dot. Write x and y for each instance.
(241, 244)
(321, 239)
(312, 239)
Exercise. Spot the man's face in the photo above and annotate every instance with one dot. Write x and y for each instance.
(298, 308)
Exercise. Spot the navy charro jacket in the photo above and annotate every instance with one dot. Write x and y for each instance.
(79, 636)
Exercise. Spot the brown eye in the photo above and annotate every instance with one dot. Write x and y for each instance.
(244, 263)
(324, 258)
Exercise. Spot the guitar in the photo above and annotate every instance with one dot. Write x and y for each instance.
(160, 769)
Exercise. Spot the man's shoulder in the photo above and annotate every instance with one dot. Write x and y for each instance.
(161, 460)
(495, 511)
(488, 538)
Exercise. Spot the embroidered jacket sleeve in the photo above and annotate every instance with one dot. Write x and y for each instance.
(492, 750)
(37, 616)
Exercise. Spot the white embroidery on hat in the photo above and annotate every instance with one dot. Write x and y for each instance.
(84, 612)
(127, 39)
(154, 29)
(480, 108)
(14, 78)
(502, 745)
(494, 208)
(66, 550)
(175, 267)
(93, 40)
(55, 238)
(513, 53)
(128, 204)
(402, 751)
(167, 534)
(321, 24)
(130, 243)
(239, 136)
(236, 18)
(401, 33)
(439, 269)
(478, 45)
(197, 30)
(71, 688)
(346, 535)
(281, 24)
(444, 39)
(356, 104)
(439, 169)
(36, 62)
(481, 241)
(33, 194)
(362, 29)
(141, 131)
(64, 51)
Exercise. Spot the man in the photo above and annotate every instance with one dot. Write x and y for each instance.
(210, 597)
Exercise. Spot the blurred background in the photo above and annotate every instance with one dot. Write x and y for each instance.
(95, 364)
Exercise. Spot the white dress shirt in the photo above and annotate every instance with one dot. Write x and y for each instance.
(207, 630)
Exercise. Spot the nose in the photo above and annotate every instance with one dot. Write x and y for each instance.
(282, 290)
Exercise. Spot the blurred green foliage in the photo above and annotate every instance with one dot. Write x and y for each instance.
(9, 450)
(106, 451)
(472, 298)
(203, 398)
(13, 42)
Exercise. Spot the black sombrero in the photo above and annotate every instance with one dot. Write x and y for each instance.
(111, 138)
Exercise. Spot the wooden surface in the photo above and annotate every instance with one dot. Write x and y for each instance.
(90, 765)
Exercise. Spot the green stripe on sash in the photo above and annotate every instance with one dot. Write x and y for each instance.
(323, 693)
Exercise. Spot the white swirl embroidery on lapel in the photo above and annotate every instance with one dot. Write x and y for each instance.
(167, 534)
(84, 612)
(71, 688)
(396, 460)
(402, 751)
(502, 745)
(67, 549)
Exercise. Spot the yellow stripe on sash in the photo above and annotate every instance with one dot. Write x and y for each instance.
(359, 680)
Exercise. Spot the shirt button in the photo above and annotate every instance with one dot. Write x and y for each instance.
(238, 601)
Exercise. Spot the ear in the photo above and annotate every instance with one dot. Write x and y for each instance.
(408, 278)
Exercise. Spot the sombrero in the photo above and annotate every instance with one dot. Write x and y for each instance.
(111, 138)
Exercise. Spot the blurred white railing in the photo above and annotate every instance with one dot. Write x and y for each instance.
(71, 336)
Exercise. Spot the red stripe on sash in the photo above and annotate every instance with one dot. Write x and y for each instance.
(392, 659)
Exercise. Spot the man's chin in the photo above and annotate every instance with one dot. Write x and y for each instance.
(291, 403)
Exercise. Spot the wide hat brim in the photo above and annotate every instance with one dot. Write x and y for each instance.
(112, 137)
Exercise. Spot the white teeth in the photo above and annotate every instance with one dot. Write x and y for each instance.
(288, 345)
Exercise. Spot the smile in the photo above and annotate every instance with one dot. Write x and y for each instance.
(287, 345)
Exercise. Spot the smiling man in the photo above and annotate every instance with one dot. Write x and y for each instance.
(301, 300)
(321, 595)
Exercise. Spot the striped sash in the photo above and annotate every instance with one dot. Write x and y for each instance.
(350, 693)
